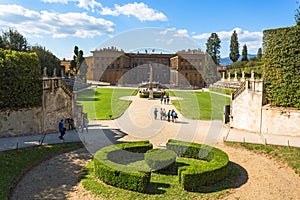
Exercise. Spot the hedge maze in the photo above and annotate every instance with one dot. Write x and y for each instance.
(129, 165)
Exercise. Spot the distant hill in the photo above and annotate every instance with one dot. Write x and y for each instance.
(226, 61)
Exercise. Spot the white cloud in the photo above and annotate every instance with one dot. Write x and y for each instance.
(34, 23)
(253, 40)
(138, 10)
(86, 4)
(181, 33)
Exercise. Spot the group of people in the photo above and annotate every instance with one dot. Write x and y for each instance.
(164, 115)
(164, 98)
(70, 122)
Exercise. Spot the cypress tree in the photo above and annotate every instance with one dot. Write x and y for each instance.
(245, 53)
(234, 47)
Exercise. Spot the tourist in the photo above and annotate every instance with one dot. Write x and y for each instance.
(169, 115)
(164, 114)
(155, 113)
(161, 114)
(62, 129)
(174, 116)
(85, 124)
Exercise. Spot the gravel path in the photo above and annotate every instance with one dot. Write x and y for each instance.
(58, 178)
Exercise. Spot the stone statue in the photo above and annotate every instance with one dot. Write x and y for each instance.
(45, 72)
(243, 76)
(54, 72)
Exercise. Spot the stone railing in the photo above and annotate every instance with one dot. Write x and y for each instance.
(53, 84)
(239, 91)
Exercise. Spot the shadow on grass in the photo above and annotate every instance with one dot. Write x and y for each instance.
(157, 188)
(87, 99)
(237, 177)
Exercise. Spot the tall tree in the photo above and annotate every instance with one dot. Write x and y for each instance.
(245, 53)
(234, 47)
(213, 47)
(297, 14)
(48, 60)
(77, 65)
(77, 60)
(259, 54)
(13, 40)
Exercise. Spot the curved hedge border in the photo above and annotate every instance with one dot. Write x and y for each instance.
(212, 171)
(118, 165)
(160, 159)
(118, 174)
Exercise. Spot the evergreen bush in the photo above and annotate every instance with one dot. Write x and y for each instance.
(281, 69)
(121, 174)
(192, 177)
(20, 80)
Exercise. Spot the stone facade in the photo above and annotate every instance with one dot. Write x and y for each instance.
(118, 67)
(57, 104)
(250, 111)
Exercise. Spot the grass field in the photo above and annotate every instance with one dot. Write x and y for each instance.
(14, 163)
(104, 103)
(200, 105)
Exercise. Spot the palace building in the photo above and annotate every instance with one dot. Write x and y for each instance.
(116, 67)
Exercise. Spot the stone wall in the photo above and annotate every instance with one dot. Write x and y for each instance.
(281, 121)
(21, 122)
(250, 112)
(57, 105)
(246, 108)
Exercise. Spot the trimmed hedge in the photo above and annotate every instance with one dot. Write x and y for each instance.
(195, 176)
(20, 80)
(281, 69)
(146, 95)
(160, 159)
(120, 174)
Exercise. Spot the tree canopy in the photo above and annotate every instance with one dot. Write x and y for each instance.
(48, 60)
(13, 40)
(213, 47)
(245, 53)
(234, 47)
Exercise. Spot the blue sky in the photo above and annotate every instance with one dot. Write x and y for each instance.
(59, 25)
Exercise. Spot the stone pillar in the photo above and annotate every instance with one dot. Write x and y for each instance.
(243, 76)
(235, 76)
(223, 76)
(228, 78)
(150, 83)
(62, 73)
(54, 72)
(45, 72)
(252, 75)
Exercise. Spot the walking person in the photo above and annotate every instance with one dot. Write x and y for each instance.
(62, 129)
(85, 124)
(161, 114)
(169, 115)
(155, 113)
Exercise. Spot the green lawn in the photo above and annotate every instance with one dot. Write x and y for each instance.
(200, 105)
(104, 103)
(16, 162)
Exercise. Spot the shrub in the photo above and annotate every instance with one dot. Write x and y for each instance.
(281, 71)
(160, 159)
(119, 174)
(20, 80)
(194, 176)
